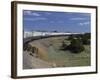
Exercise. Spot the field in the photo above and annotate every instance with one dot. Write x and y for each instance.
(50, 54)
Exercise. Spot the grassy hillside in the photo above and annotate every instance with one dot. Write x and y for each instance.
(49, 51)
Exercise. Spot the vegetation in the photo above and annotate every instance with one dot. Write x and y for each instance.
(86, 38)
(57, 50)
(70, 37)
(30, 48)
(24, 47)
(76, 46)
(77, 42)
(64, 46)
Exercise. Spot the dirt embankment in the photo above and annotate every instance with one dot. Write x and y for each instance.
(42, 50)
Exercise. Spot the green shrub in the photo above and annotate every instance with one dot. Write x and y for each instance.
(76, 42)
(86, 38)
(76, 46)
(86, 41)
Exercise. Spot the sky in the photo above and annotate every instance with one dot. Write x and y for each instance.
(56, 21)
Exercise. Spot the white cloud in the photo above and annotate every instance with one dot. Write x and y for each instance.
(35, 14)
(31, 13)
(34, 19)
(84, 23)
(78, 18)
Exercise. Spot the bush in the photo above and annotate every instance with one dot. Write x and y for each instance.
(33, 49)
(25, 47)
(76, 46)
(86, 41)
(86, 38)
(64, 46)
(87, 35)
(77, 42)
(79, 36)
(71, 37)
(29, 47)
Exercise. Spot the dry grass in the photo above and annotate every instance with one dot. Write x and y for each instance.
(49, 50)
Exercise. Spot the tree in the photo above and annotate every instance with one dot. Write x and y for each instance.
(76, 46)
(86, 38)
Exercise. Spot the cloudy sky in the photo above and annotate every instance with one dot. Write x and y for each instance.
(59, 21)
